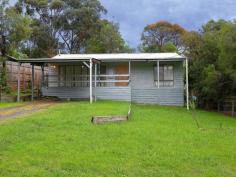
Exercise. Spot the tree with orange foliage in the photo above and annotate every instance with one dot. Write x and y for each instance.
(162, 36)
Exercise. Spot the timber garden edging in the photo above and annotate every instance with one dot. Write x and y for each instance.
(114, 118)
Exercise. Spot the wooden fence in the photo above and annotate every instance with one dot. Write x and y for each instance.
(25, 76)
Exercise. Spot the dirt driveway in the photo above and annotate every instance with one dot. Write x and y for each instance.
(28, 108)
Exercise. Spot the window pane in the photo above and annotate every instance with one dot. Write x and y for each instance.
(103, 71)
(168, 83)
(84, 76)
(161, 83)
(168, 73)
(161, 73)
(69, 76)
(166, 76)
(62, 76)
(155, 73)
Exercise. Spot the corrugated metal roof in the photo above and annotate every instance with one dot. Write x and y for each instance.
(121, 56)
(70, 58)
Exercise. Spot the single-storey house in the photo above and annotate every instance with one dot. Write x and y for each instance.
(156, 78)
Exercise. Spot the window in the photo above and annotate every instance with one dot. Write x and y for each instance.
(166, 76)
(62, 74)
(73, 76)
(102, 71)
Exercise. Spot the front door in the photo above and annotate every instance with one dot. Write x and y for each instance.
(122, 69)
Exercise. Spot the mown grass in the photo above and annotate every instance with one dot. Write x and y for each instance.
(157, 141)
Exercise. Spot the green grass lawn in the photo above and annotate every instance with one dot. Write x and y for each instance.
(157, 141)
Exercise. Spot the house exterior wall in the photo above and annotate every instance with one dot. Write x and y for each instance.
(141, 89)
(113, 93)
(103, 93)
(108, 92)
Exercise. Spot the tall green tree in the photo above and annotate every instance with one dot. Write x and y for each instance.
(14, 27)
(212, 62)
(162, 36)
(78, 23)
(65, 23)
(227, 57)
(44, 40)
(107, 39)
(14, 31)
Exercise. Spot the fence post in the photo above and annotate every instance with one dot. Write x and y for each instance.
(32, 83)
(18, 82)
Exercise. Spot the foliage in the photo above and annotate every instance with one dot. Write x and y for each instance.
(212, 62)
(14, 31)
(162, 36)
(79, 22)
(3, 76)
(107, 40)
(227, 58)
(157, 141)
(169, 47)
(69, 25)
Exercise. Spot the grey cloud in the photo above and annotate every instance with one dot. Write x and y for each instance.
(133, 15)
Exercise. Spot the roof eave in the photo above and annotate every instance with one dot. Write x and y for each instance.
(61, 60)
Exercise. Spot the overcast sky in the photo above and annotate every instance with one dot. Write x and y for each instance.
(134, 15)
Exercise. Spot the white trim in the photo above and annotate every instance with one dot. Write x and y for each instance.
(91, 81)
(95, 80)
(130, 86)
(113, 75)
(158, 74)
(187, 89)
(86, 64)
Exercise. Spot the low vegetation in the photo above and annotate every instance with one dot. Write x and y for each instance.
(157, 141)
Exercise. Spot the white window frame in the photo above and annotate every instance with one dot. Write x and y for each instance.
(162, 82)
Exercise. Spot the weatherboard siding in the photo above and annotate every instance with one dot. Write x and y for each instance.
(142, 88)
(162, 96)
(103, 93)
(66, 92)
(113, 93)
(142, 74)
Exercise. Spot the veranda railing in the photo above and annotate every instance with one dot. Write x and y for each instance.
(53, 80)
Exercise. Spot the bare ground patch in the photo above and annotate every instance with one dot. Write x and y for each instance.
(29, 108)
